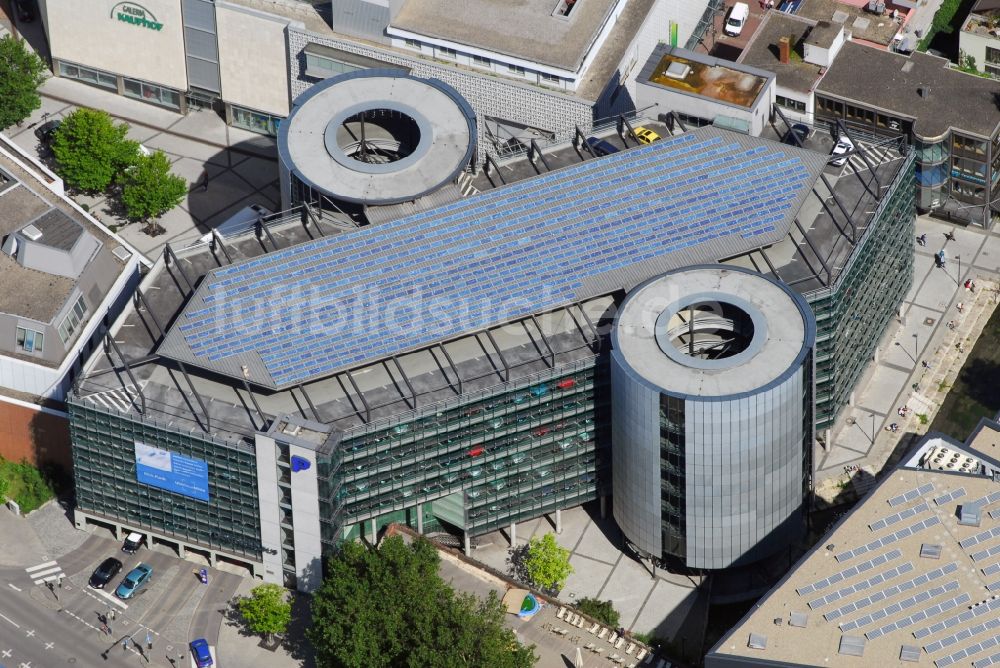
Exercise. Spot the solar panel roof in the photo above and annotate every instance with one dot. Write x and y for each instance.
(303, 313)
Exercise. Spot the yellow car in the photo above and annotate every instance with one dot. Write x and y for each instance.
(646, 136)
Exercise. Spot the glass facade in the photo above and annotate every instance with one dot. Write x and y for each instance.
(151, 93)
(510, 455)
(89, 75)
(104, 462)
(852, 315)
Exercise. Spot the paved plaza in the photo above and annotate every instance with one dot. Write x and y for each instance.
(919, 356)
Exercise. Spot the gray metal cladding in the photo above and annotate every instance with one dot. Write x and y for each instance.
(635, 460)
(744, 462)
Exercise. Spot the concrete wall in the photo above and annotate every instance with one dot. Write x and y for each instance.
(305, 522)
(264, 85)
(975, 45)
(267, 499)
(90, 33)
(31, 433)
(635, 453)
(744, 460)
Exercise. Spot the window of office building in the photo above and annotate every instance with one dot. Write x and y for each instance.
(860, 115)
(88, 75)
(323, 67)
(255, 121)
(480, 61)
(829, 107)
(890, 123)
(164, 97)
(968, 146)
(29, 341)
(445, 52)
(789, 103)
(992, 55)
(72, 320)
(973, 170)
(515, 69)
(967, 190)
(413, 44)
(549, 78)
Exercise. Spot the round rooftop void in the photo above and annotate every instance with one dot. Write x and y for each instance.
(377, 137)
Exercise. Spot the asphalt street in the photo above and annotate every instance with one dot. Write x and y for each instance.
(50, 617)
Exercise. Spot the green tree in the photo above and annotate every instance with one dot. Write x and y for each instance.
(149, 190)
(389, 608)
(266, 610)
(21, 73)
(547, 563)
(602, 611)
(91, 150)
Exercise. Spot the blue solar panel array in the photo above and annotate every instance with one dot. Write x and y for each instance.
(340, 301)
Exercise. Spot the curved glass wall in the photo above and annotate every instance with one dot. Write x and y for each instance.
(931, 172)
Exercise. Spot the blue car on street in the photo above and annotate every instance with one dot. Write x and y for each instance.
(202, 655)
(134, 581)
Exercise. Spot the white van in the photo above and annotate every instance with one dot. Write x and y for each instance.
(738, 16)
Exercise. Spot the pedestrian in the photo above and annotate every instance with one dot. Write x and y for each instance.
(204, 180)
(951, 324)
(961, 307)
(950, 236)
(922, 240)
(925, 364)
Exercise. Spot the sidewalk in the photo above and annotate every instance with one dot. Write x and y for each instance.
(240, 166)
(898, 377)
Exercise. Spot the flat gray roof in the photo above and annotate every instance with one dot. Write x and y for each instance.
(58, 230)
(527, 29)
(891, 81)
(308, 139)
(782, 329)
(762, 50)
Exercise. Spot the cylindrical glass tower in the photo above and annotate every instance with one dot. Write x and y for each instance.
(712, 415)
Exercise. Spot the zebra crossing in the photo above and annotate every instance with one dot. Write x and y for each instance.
(117, 399)
(48, 571)
(877, 154)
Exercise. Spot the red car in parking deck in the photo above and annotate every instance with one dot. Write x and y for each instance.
(565, 383)
(476, 451)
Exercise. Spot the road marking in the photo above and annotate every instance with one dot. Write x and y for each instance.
(107, 596)
(6, 653)
(47, 571)
(47, 564)
(26, 664)
(31, 633)
(49, 645)
(13, 587)
(15, 624)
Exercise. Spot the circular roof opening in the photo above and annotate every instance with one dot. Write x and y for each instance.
(710, 330)
(378, 136)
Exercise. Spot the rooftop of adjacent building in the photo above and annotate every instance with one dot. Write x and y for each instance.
(984, 18)
(763, 51)
(919, 86)
(531, 41)
(556, 33)
(34, 215)
(912, 569)
(705, 76)
(855, 17)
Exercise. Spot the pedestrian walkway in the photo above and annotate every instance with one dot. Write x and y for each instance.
(918, 358)
(48, 571)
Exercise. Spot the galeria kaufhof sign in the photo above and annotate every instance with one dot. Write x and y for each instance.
(137, 15)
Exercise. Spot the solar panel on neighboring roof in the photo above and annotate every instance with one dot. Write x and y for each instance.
(864, 585)
(852, 646)
(950, 496)
(909, 653)
(305, 312)
(911, 494)
(850, 572)
(898, 517)
(888, 540)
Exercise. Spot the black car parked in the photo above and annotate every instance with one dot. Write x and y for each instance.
(45, 131)
(108, 569)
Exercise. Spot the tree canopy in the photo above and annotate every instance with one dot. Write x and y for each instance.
(21, 73)
(547, 563)
(266, 610)
(389, 608)
(602, 611)
(149, 190)
(91, 149)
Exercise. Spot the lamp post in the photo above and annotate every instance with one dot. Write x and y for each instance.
(872, 416)
(959, 259)
(915, 348)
